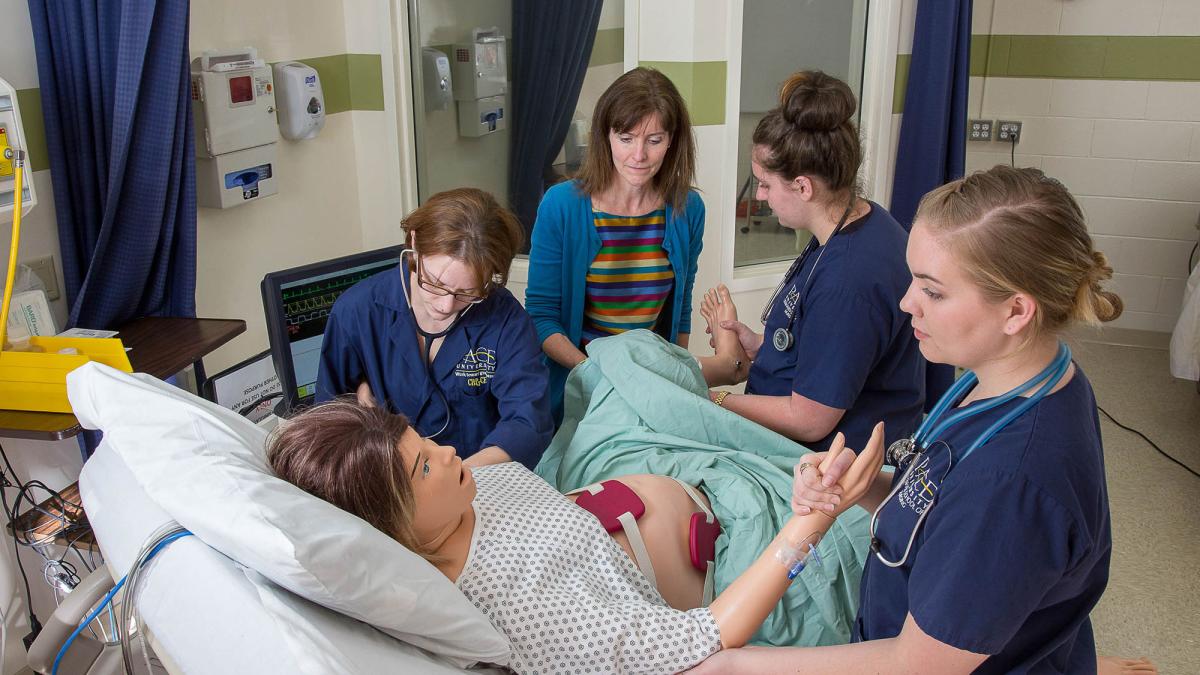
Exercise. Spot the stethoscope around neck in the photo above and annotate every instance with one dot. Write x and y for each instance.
(782, 339)
(906, 451)
(429, 338)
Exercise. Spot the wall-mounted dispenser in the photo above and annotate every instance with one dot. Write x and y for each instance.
(480, 70)
(575, 148)
(12, 140)
(301, 102)
(436, 79)
(233, 103)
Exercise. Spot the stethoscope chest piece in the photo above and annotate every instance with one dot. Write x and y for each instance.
(782, 339)
(900, 451)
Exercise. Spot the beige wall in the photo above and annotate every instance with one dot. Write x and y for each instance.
(316, 214)
(338, 193)
(1129, 150)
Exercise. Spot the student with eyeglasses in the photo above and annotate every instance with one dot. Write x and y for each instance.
(442, 341)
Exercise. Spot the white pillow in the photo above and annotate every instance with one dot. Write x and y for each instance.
(206, 467)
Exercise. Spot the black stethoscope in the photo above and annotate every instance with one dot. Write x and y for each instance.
(429, 338)
(782, 339)
(905, 451)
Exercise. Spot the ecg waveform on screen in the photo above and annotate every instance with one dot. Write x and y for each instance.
(306, 307)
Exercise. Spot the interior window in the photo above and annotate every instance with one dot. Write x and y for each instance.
(780, 37)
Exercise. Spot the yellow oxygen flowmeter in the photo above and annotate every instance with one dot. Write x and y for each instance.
(33, 374)
(6, 154)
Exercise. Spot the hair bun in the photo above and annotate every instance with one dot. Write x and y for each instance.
(1093, 304)
(810, 100)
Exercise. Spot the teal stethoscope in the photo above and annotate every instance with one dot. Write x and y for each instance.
(905, 451)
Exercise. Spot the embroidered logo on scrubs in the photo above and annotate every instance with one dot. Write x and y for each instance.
(919, 489)
(478, 366)
(790, 300)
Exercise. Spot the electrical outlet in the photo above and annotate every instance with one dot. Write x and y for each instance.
(1008, 130)
(979, 130)
(44, 268)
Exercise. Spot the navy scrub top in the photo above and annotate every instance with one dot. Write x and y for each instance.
(1014, 554)
(853, 348)
(489, 368)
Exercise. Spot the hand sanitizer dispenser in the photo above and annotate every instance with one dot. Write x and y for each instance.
(435, 78)
(301, 102)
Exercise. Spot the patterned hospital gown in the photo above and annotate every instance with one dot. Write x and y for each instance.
(564, 592)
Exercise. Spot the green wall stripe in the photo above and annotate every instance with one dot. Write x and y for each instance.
(903, 61)
(30, 102)
(1087, 57)
(702, 85)
(366, 81)
(1174, 58)
(1074, 57)
(350, 81)
(609, 47)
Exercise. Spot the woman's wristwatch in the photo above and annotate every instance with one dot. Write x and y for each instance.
(719, 399)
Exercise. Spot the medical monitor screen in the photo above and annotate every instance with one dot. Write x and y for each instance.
(297, 304)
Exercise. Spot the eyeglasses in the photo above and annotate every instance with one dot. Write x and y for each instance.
(434, 288)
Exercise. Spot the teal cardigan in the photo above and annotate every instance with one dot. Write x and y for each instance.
(563, 246)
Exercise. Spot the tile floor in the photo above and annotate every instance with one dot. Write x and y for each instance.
(1152, 605)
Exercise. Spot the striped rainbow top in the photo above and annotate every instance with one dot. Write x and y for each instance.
(631, 277)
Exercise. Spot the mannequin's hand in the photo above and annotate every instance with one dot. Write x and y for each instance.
(841, 477)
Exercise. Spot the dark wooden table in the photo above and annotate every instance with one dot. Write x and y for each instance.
(160, 346)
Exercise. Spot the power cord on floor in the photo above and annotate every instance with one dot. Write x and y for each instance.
(1152, 443)
(35, 626)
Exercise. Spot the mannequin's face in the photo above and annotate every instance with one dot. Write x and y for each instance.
(442, 487)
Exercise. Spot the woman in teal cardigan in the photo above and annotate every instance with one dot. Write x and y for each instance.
(616, 248)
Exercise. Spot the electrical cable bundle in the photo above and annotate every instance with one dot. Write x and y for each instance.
(59, 574)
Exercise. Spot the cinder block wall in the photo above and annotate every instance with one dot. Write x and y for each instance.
(1109, 94)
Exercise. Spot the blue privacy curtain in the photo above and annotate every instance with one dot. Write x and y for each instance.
(551, 45)
(932, 149)
(115, 98)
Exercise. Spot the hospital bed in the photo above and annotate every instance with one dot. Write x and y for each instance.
(203, 612)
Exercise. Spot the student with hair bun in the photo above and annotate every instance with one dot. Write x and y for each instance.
(836, 354)
(990, 543)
